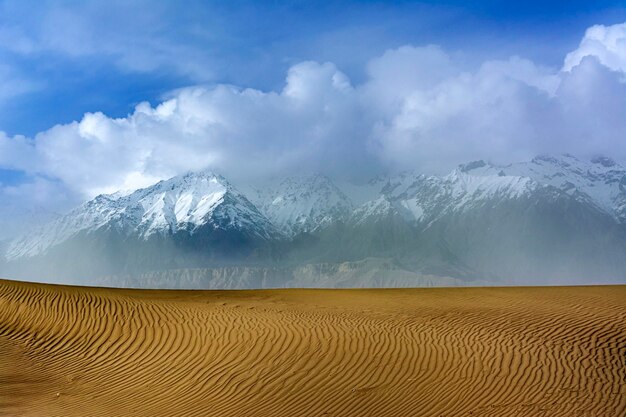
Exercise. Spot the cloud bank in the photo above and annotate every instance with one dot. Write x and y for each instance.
(419, 108)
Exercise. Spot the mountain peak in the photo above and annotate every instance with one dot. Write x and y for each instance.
(183, 203)
(303, 204)
(205, 219)
(191, 179)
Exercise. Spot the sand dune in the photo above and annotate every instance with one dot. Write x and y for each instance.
(72, 351)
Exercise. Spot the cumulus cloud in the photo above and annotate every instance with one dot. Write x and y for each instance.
(506, 111)
(312, 124)
(419, 108)
(606, 43)
(592, 109)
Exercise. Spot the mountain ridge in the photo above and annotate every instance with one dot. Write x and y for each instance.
(437, 225)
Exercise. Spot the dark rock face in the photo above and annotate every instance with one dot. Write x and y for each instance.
(472, 165)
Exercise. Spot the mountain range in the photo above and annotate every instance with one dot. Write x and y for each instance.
(555, 220)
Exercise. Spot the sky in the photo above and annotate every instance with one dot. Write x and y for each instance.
(97, 96)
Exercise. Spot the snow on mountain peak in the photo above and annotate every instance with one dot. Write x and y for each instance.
(307, 204)
(601, 180)
(483, 186)
(180, 202)
(303, 204)
(597, 180)
(185, 202)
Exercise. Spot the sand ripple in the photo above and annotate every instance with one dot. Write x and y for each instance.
(69, 351)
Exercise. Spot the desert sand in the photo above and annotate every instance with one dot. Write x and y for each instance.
(76, 351)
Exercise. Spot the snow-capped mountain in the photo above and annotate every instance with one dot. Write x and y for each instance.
(303, 204)
(552, 218)
(180, 204)
(422, 199)
(600, 181)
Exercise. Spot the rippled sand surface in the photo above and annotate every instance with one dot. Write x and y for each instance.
(73, 351)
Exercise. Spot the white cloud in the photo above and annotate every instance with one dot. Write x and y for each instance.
(14, 40)
(12, 85)
(419, 108)
(241, 132)
(406, 69)
(134, 36)
(504, 111)
(592, 109)
(473, 115)
(606, 43)
(525, 71)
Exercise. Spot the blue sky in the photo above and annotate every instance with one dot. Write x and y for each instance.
(97, 96)
(248, 43)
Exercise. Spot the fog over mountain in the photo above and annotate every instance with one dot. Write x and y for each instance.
(392, 166)
(558, 220)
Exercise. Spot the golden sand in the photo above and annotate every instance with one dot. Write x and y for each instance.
(74, 351)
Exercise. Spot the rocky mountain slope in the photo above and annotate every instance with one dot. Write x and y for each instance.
(303, 205)
(549, 220)
(183, 204)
